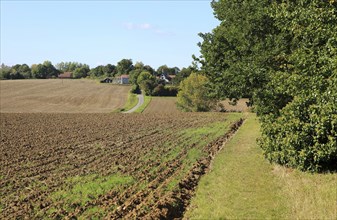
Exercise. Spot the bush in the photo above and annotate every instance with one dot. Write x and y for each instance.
(161, 90)
(305, 134)
(135, 89)
(193, 94)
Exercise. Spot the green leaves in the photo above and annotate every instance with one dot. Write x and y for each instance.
(283, 55)
(193, 94)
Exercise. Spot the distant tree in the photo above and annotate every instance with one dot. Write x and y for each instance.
(110, 70)
(139, 65)
(25, 71)
(133, 76)
(19, 72)
(149, 69)
(181, 75)
(147, 82)
(125, 66)
(39, 71)
(5, 71)
(193, 94)
(163, 70)
(51, 71)
(81, 72)
(69, 66)
(97, 71)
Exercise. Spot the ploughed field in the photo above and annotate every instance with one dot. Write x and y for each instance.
(162, 105)
(60, 96)
(105, 165)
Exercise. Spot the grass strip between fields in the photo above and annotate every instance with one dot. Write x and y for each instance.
(243, 185)
(130, 103)
(147, 100)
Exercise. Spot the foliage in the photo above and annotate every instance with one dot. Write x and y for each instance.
(146, 82)
(283, 55)
(161, 90)
(124, 66)
(181, 75)
(44, 71)
(193, 94)
(81, 72)
(70, 66)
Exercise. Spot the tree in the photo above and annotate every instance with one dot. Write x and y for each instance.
(51, 71)
(282, 54)
(81, 72)
(97, 71)
(110, 70)
(139, 65)
(303, 132)
(124, 66)
(193, 94)
(69, 66)
(163, 70)
(235, 55)
(181, 75)
(146, 82)
(5, 71)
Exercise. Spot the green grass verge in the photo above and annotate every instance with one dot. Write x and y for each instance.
(147, 100)
(80, 189)
(199, 137)
(131, 102)
(243, 185)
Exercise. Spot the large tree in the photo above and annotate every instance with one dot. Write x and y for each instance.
(124, 66)
(282, 54)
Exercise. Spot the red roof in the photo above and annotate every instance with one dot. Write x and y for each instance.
(66, 75)
(124, 76)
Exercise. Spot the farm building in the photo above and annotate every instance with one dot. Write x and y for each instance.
(66, 75)
(124, 79)
(106, 80)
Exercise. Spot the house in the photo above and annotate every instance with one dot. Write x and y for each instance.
(124, 79)
(166, 78)
(66, 75)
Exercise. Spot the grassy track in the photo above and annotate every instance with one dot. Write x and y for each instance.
(242, 185)
(130, 103)
(147, 100)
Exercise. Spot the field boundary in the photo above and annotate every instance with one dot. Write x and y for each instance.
(174, 206)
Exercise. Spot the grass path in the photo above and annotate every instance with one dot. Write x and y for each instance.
(241, 184)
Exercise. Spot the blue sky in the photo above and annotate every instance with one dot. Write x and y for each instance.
(101, 32)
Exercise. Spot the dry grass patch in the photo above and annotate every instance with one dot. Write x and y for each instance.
(60, 96)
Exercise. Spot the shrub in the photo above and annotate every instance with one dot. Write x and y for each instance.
(193, 94)
(305, 134)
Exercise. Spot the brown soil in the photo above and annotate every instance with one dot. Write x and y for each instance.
(40, 151)
(60, 96)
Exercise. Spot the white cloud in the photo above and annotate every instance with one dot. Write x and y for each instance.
(146, 26)
(132, 26)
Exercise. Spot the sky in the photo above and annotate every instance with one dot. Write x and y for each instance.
(101, 32)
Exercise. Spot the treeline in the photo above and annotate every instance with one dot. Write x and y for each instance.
(283, 54)
(142, 77)
(79, 70)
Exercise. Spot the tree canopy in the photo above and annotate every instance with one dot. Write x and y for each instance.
(282, 55)
(193, 94)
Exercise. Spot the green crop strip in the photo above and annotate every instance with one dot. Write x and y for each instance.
(80, 189)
